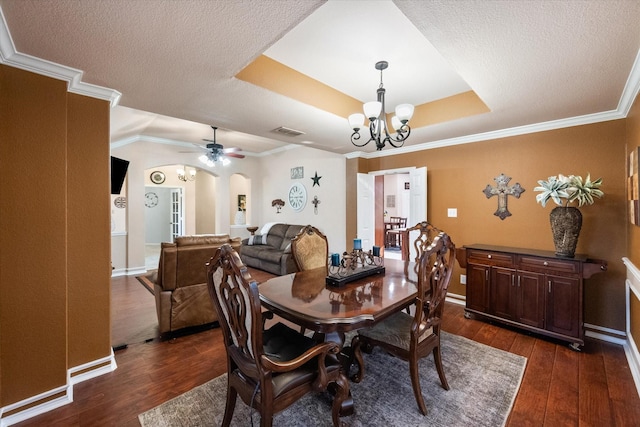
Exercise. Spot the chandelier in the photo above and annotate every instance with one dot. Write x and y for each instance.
(378, 127)
(184, 175)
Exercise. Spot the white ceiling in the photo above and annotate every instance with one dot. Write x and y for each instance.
(535, 64)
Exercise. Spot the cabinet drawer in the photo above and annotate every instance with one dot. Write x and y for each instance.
(549, 265)
(500, 259)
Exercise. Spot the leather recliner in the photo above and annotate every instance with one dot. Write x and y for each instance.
(180, 285)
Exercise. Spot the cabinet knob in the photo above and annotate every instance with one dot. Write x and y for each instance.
(545, 263)
(489, 256)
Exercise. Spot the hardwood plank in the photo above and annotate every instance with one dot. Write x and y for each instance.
(562, 403)
(530, 406)
(595, 406)
(620, 388)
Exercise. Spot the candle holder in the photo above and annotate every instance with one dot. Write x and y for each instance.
(353, 266)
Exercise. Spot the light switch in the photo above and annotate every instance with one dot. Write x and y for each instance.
(463, 279)
(452, 212)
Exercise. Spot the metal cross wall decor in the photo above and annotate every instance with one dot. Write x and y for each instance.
(502, 190)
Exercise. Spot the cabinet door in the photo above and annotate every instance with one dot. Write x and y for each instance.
(478, 287)
(502, 292)
(530, 299)
(564, 306)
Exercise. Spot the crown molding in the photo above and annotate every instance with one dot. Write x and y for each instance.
(9, 56)
(502, 133)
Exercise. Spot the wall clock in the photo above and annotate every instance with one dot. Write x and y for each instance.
(157, 177)
(151, 200)
(297, 196)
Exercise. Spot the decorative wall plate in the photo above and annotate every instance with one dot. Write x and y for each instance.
(120, 202)
(157, 177)
(151, 200)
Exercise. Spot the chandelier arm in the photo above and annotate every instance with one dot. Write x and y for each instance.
(355, 136)
(403, 134)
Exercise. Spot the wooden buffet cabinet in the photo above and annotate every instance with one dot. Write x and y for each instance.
(530, 289)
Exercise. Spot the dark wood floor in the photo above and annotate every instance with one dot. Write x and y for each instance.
(560, 387)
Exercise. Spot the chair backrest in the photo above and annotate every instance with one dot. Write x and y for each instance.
(434, 274)
(310, 249)
(236, 299)
(426, 233)
(398, 222)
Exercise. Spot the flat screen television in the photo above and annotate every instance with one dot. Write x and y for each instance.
(118, 173)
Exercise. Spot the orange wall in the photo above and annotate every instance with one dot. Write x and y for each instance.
(457, 175)
(54, 222)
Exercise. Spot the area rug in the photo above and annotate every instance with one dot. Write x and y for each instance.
(483, 384)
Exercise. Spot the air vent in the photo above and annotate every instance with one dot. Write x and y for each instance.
(286, 131)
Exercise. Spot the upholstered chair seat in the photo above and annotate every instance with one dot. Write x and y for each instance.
(396, 331)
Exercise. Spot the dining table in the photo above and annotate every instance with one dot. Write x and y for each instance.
(305, 298)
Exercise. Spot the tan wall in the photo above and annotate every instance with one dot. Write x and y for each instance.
(54, 222)
(457, 175)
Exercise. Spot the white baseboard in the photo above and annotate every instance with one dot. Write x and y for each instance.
(456, 299)
(601, 333)
(45, 402)
(117, 272)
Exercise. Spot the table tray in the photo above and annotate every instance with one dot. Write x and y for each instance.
(341, 280)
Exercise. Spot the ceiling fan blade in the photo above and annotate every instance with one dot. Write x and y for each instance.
(237, 156)
(199, 146)
(232, 150)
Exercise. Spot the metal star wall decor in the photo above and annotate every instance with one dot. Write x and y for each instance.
(502, 190)
(316, 180)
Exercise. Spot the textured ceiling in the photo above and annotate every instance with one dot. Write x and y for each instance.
(175, 63)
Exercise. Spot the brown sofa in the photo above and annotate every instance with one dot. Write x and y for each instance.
(271, 251)
(180, 284)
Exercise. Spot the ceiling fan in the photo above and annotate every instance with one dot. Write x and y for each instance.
(216, 152)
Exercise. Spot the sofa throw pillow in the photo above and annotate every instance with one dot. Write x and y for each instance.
(257, 239)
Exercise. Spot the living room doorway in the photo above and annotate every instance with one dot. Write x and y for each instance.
(163, 220)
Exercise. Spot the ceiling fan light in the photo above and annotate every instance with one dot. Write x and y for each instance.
(356, 121)
(204, 159)
(404, 112)
(372, 109)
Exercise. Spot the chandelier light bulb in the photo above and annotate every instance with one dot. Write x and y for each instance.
(396, 123)
(372, 109)
(404, 112)
(356, 121)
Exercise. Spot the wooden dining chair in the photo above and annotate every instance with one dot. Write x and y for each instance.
(394, 233)
(421, 241)
(412, 337)
(269, 369)
(310, 249)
